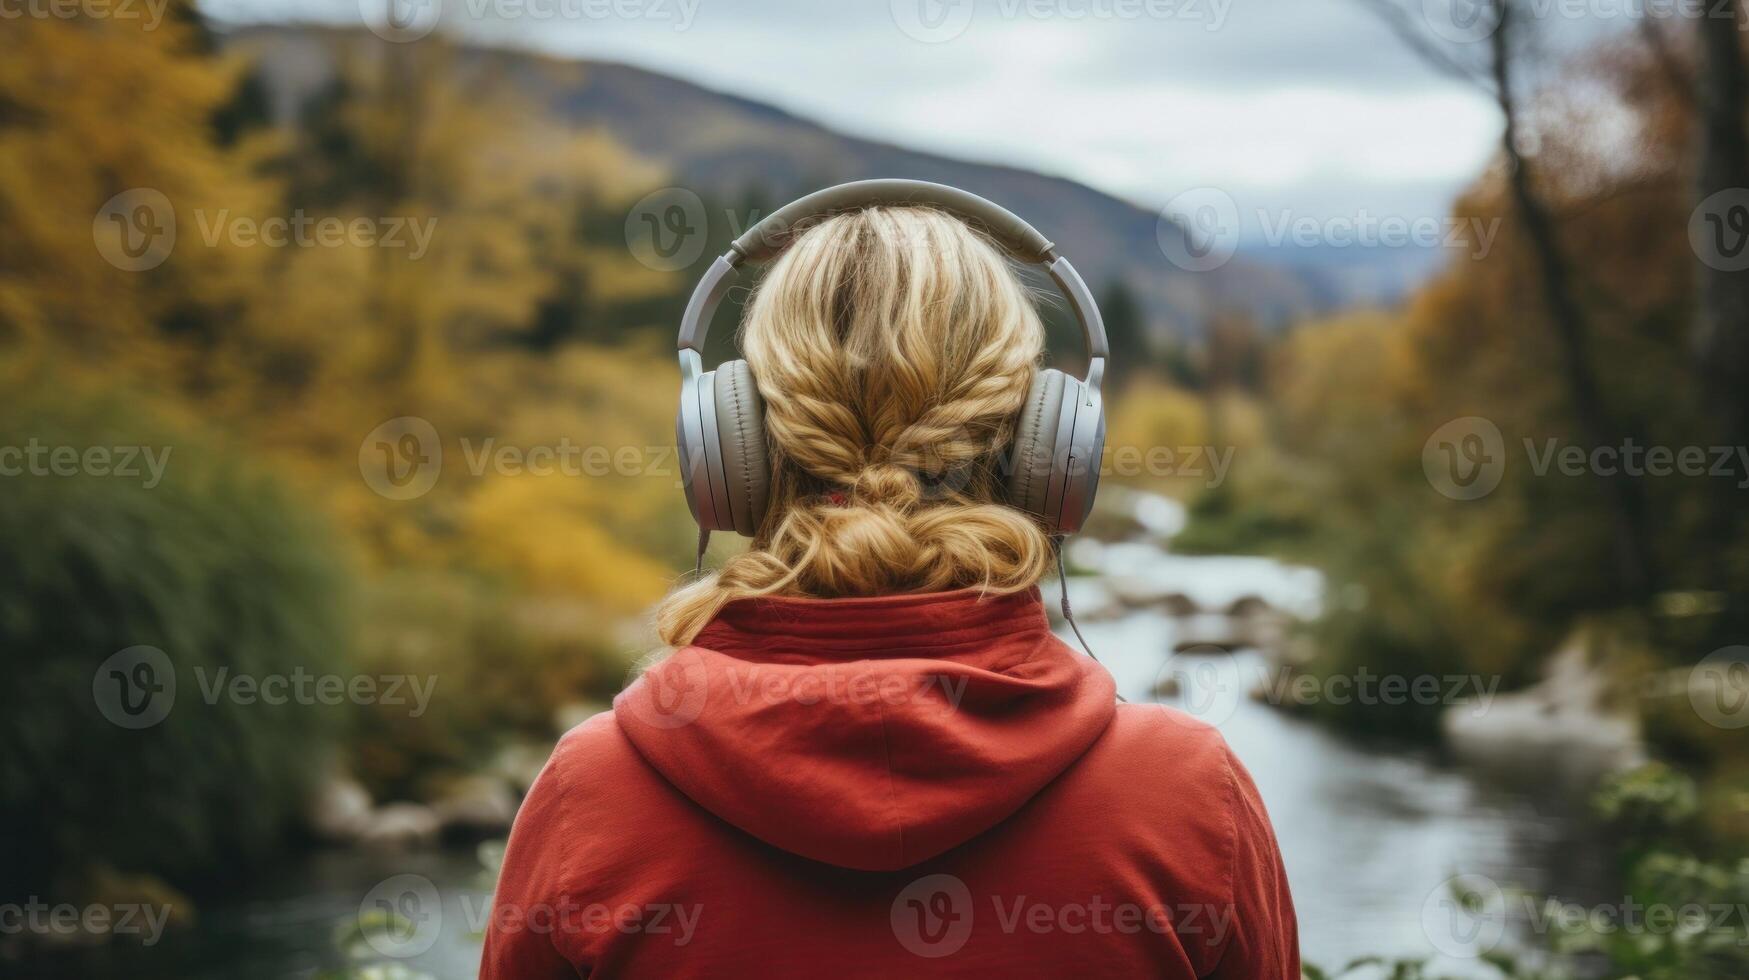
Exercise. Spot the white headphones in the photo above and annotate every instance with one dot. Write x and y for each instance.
(1053, 473)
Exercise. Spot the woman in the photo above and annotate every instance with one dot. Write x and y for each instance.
(869, 755)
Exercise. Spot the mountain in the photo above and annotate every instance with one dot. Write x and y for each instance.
(725, 147)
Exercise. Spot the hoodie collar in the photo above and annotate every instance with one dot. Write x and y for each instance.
(869, 733)
(917, 624)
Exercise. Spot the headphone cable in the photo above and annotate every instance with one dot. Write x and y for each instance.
(1068, 614)
(704, 541)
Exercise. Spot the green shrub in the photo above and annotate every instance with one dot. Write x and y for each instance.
(214, 565)
(1223, 521)
(1673, 867)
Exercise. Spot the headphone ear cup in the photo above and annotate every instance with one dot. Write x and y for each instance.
(1081, 463)
(696, 477)
(746, 470)
(1032, 468)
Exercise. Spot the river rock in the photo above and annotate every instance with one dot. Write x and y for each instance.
(1143, 575)
(519, 763)
(339, 810)
(1207, 633)
(1090, 601)
(1258, 624)
(1571, 713)
(401, 827)
(113, 905)
(474, 807)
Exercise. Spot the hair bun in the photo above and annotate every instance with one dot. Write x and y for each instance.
(887, 484)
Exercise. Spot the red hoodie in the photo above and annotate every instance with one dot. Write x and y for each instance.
(922, 785)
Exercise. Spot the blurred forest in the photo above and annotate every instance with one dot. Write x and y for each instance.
(529, 322)
(265, 368)
(1593, 321)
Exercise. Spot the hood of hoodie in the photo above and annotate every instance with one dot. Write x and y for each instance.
(869, 733)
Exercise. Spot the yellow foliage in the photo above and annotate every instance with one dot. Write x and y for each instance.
(98, 108)
(1152, 413)
(1148, 421)
(302, 350)
(549, 533)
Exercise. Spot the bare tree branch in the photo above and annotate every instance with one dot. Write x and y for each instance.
(1630, 516)
(1722, 293)
(1722, 163)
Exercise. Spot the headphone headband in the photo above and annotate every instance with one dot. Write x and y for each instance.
(1017, 238)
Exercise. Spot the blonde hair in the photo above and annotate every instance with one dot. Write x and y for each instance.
(894, 348)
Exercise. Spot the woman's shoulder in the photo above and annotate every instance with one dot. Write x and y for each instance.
(591, 758)
(1157, 733)
(1161, 767)
(595, 793)
(594, 750)
(1171, 794)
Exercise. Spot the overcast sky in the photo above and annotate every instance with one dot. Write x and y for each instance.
(1308, 107)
